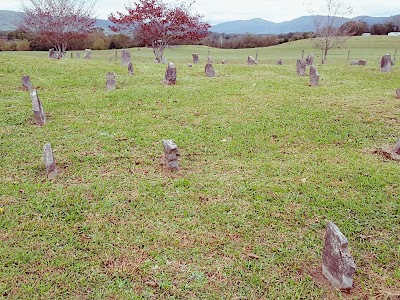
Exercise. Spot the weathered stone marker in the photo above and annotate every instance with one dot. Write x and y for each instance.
(224, 61)
(301, 66)
(309, 59)
(195, 57)
(170, 74)
(110, 81)
(360, 62)
(171, 155)
(279, 61)
(49, 161)
(314, 76)
(190, 65)
(251, 60)
(26, 83)
(38, 112)
(88, 54)
(125, 57)
(78, 55)
(398, 93)
(209, 70)
(386, 63)
(130, 68)
(51, 53)
(210, 60)
(337, 264)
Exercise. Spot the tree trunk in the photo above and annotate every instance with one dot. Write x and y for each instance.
(158, 50)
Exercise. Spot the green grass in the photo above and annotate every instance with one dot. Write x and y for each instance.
(266, 161)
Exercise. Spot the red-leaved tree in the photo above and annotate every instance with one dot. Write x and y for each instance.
(56, 22)
(159, 24)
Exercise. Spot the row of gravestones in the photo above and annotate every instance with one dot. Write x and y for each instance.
(56, 55)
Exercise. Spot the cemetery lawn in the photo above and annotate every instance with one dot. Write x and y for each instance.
(266, 161)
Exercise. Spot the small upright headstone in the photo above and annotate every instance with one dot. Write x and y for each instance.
(110, 81)
(251, 60)
(195, 58)
(386, 63)
(337, 264)
(164, 60)
(26, 83)
(130, 68)
(49, 161)
(301, 66)
(398, 93)
(279, 61)
(125, 57)
(190, 65)
(210, 60)
(88, 54)
(171, 155)
(170, 74)
(314, 76)
(309, 59)
(51, 53)
(38, 112)
(78, 55)
(209, 70)
(360, 62)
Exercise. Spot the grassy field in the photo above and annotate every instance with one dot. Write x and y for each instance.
(266, 161)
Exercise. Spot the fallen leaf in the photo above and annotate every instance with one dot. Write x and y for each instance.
(152, 284)
(122, 139)
(252, 255)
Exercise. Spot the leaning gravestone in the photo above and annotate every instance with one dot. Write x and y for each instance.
(360, 62)
(51, 53)
(49, 161)
(337, 264)
(195, 57)
(309, 59)
(110, 81)
(38, 112)
(171, 155)
(386, 63)
(125, 57)
(314, 76)
(251, 60)
(26, 83)
(130, 68)
(279, 61)
(88, 54)
(301, 66)
(170, 74)
(209, 70)
(398, 93)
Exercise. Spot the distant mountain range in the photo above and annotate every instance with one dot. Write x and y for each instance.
(9, 19)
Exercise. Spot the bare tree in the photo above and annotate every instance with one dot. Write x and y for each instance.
(58, 21)
(328, 27)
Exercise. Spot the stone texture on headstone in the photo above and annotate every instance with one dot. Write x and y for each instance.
(301, 66)
(26, 83)
(360, 62)
(49, 161)
(171, 155)
(251, 60)
(125, 57)
(88, 54)
(314, 76)
(195, 57)
(110, 81)
(386, 63)
(170, 74)
(51, 53)
(337, 264)
(398, 93)
(38, 112)
(130, 68)
(309, 59)
(279, 61)
(209, 70)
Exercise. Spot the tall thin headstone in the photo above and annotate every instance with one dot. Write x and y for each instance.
(386, 63)
(301, 66)
(49, 161)
(209, 70)
(195, 57)
(309, 59)
(337, 264)
(88, 54)
(171, 155)
(170, 74)
(110, 81)
(130, 68)
(398, 93)
(251, 60)
(125, 57)
(26, 83)
(38, 112)
(314, 76)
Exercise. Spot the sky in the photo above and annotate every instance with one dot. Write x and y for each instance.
(218, 11)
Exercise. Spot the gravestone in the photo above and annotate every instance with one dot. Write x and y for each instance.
(78, 55)
(110, 81)
(51, 53)
(224, 61)
(386, 63)
(170, 74)
(171, 155)
(125, 57)
(195, 58)
(301, 66)
(130, 68)
(38, 112)
(164, 60)
(209, 70)
(309, 59)
(49, 161)
(210, 60)
(251, 60)
(190, 65)
(314, 76)
(398, 93)
(26, 83)
(279, 61)
(337, 264)
(88, 54)
(360, 62)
